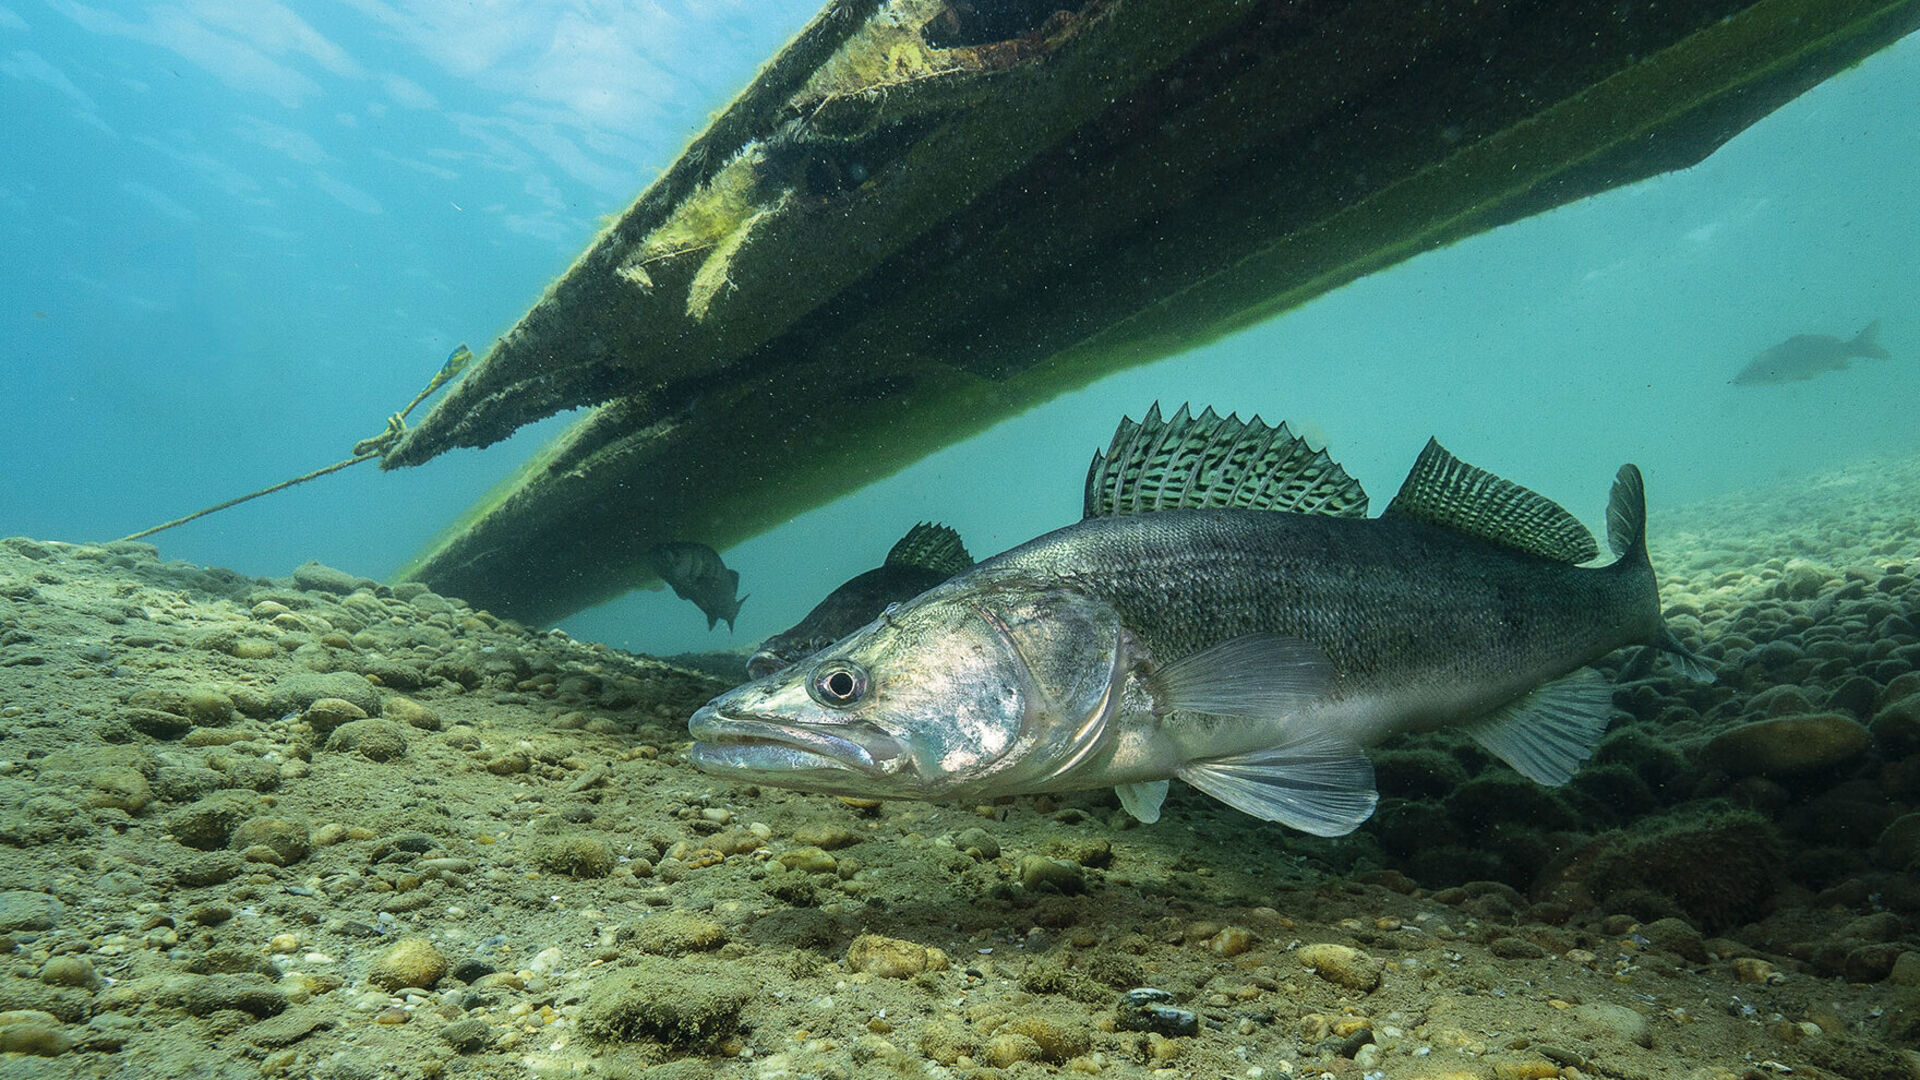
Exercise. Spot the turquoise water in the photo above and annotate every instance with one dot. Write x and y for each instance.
(239, 235)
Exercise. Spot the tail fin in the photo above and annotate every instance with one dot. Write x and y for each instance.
(1627, 536)
(1866, 342)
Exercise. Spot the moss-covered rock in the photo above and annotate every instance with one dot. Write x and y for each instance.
(412, 961)
(673, 1002)
(575, 855)
(1718, 869)
(1787, 746)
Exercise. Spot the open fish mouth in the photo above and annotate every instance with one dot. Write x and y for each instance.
(726, 744)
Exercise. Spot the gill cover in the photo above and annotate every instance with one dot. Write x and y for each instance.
(993, 686)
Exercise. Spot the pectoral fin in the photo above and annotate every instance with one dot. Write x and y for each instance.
(1143, 799)
(1319, 784)
(1254, 676)
(1550, 732)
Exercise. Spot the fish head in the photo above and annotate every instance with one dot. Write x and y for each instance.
(981, 690)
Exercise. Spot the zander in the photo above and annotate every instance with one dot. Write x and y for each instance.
(1225, 614)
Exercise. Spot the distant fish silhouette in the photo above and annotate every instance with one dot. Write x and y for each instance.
(1803, 356)
(697, 574)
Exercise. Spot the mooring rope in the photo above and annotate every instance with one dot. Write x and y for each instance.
(364, 450)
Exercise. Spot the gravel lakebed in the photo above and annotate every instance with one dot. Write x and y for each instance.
(323, 827)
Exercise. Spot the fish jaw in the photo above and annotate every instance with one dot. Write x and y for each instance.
(788, 754)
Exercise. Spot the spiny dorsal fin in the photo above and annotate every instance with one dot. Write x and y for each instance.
(931, 547)
(1443, 490)
(1209, 460)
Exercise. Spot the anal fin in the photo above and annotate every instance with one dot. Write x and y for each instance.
(1143, 799)
(1547, 734)
(1319, 784)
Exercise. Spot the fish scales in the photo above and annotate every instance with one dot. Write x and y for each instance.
(1386, 599)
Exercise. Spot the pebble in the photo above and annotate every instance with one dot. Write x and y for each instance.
(206, 705)
(1342, 966)
(467, 1036)
(204, 995)
(375, 740)
(29, 1031)
(1231, 941)
(511, 763)
(662, 999)
(1617, 1020)
(1906, 969)
(1898, 845)
(326, 714)
(1057, 1042)
(1788, 745)
(826, 837)
(575, 854)
(1676, 936)
(1148, 1008)
(978, 843)
(407, 711)
(1038, 873)
(412, 961)
(21, 909)
(1009, 1048)
(272, 840)
(320, 577)
(673, 933)
(293, 693)
(1510, 947)
(70, 971)
(120, 788)
(892, 958)
(1896, 726)
(809, 860)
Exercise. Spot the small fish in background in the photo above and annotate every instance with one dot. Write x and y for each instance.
(696, 573)
(1803, 356)
(928, 555)
(1225, 614)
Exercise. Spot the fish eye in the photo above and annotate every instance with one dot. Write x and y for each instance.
(838, 684)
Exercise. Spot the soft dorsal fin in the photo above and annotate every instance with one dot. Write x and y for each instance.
(931, 547)
(1443, 490)
(1191, 462)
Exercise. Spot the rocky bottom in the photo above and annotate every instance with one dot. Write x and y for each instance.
(321, 827)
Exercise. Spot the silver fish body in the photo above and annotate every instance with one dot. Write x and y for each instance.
(1250, 652)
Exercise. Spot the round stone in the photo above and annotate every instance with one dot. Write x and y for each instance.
(1789, 745)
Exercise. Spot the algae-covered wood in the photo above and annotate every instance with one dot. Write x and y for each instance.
(925, 215)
